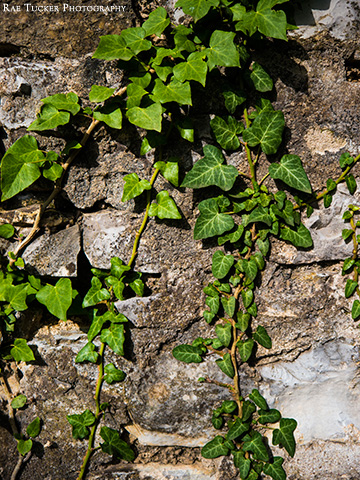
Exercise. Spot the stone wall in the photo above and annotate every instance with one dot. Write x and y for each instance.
(312, 371)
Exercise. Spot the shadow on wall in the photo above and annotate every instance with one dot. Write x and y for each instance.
(303, 11)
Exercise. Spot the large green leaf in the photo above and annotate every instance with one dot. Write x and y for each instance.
(300, 237)
(99, 94)
(135, 39)
(21, 352)
(284, 435)
(211, 222)
(237, 429)
(113, 47)
(196, 8)
(80, 423)
(261, 80)
(57, 299)
(275, 469)
(291, 172)
(224, 334)
(221, 264)
(225, 365)
(148, 118)
(134, 186)
(165, 207)
(211, 171)
(49, 118)
(96, 293)
(193, 69)
(114, 445)
(245, 349)
(64, 101)
(215, 448)
(256, 445)
(266, 130)
(175, 91)
(188, 353)
(226, 132)
(271, 23)
(157, 22)
(114, 337)
(222, 50)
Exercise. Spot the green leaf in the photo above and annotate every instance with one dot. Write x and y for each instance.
(217, 422)
(269, 416)
(49, 118)
(18, 401)
(193, 69)
(222, 50)
(210, 221)
(266, 130)
(243, 320)
(157, 22)
(226, 132)
(210, 171)
(24, 446)
(196, 8)
(57, 299)
(96, 325)
(346, 160)
(264, 246)
(327, 200)
(250, 269)
(229, 305)
(271, 23)
(114, 445)
(138, 287)
(185, 127)
(135, 39)
(275, 469)
(80, 423)
(262, 337)
(16, 295)
(299, 238)
(64, 101)
(291, 172)
(228, 406)
(350, 287)
(242, 463)
(114, 337)
(215, 448)
(165, 207)
(232, 237)
(99, 94)
(134, 187)
(355, 311)
(221, 264)
(21, 352)
(112, 374)
(262, 81)
(96, 294)
(346, 233)
(111, 115)
(248, 409)
(213, 303)
(225, 365)
(257, 447)
(223, 333)
(87, 354)
(175, 91)
(188, 353)
(170, 171)
(53, 172)
(258, 399)
(232, 100)
(148, 118)
(245, 349)
(260, 214)
(284, 436)
(118, 267)
(351, 183)
(33, 429)
(347, 265)
(237, 429)
(6, 230)
(135, 93)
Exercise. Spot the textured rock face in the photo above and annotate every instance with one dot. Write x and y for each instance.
(312, 371)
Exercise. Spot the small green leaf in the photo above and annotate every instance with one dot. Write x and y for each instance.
(237, 429)
(266, 130)
(24, 446)
(346, 233)
(99, 94)
(223, 333)
(196, 8)
(232, 237)
(355, 311)
(260, 214)
(245, 349)
(291, 172)
(64, 101)
(222, 51)
(346, 160)
(232, 100)
(193, 69)
(16, 295)
(217, 422)
(112, 374)
(87, 354)
(148, 118)
(350, 287)
(170, 171)
(188, 353)
(21, 352)
(165, 207)
(269, 416)
(213, 303)
(242, 463)
(114, 337)
(210, 221)
(138, 287)
(114, 445)
(135, 39)
(262, 81)
(243, 320)
(110, 114)
(18, 401)
(175, 91)
(135, 93)
(229, 305)
(256, 445)
(134, 187)
(258, 399)
(49, 118)
(248, 409)
(299, 238)
(228, 406)
(226, 132)
(275, 469)
(53, 172)
(247, 297)
(284, 436)
(226, 366)
(351, 183)
(327, 200)
(347, 265)
(96, 294)
(215, 448)
(6, 230)
(262, 337)
(118, 267)
(264, 246)
(157, 22)
(80, 423)
(221, 264)
(33, 429)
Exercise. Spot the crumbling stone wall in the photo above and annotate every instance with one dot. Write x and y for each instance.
(312, 371)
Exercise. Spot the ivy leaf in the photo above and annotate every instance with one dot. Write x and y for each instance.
(96, 325)
(112, 374)
(232, 100)
(165, 207)
(57, 299)
(156, 23)
(114, 445)
(260, 214)
(49, 118)
(284, 436)
(271, 23)
(262, 337)
(262, 81)
(87, 354)
(257, 447)
(215, 448)
(6, 230)
(247, 297)
(114, 337)
(80, 423)
(135, 39)
(175, 91)
(188, 353)
(111, 115)
(64, 101)
(242, 463)
(300, 237)
(213, 303)
(248, 409)
(245, 349)
(229, 305)
(99, 94)
(350, 287)
(118, 267)
(18, 401)
(223, 333)
(21, 352)
(237, 429)
(33, 429)
(221, 264)
(196, 8)
(355, 310)
(210, 171)
(24, 446)
(211, 222)
(53, 172)
(225, 365)
(270, 416)
(243, 320)
(266, 130)
(170, 171)
(148, 118)
(275, 469)
(185, 128)
(135, 93)
(250, 269)
(193, 69)
(258, 399)
(222, 50)
(137, 286)
(226, 132)
(134, 187)
(291, 172)
(16, 295)
(346, 233)
(96, 294)
(351, 183)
